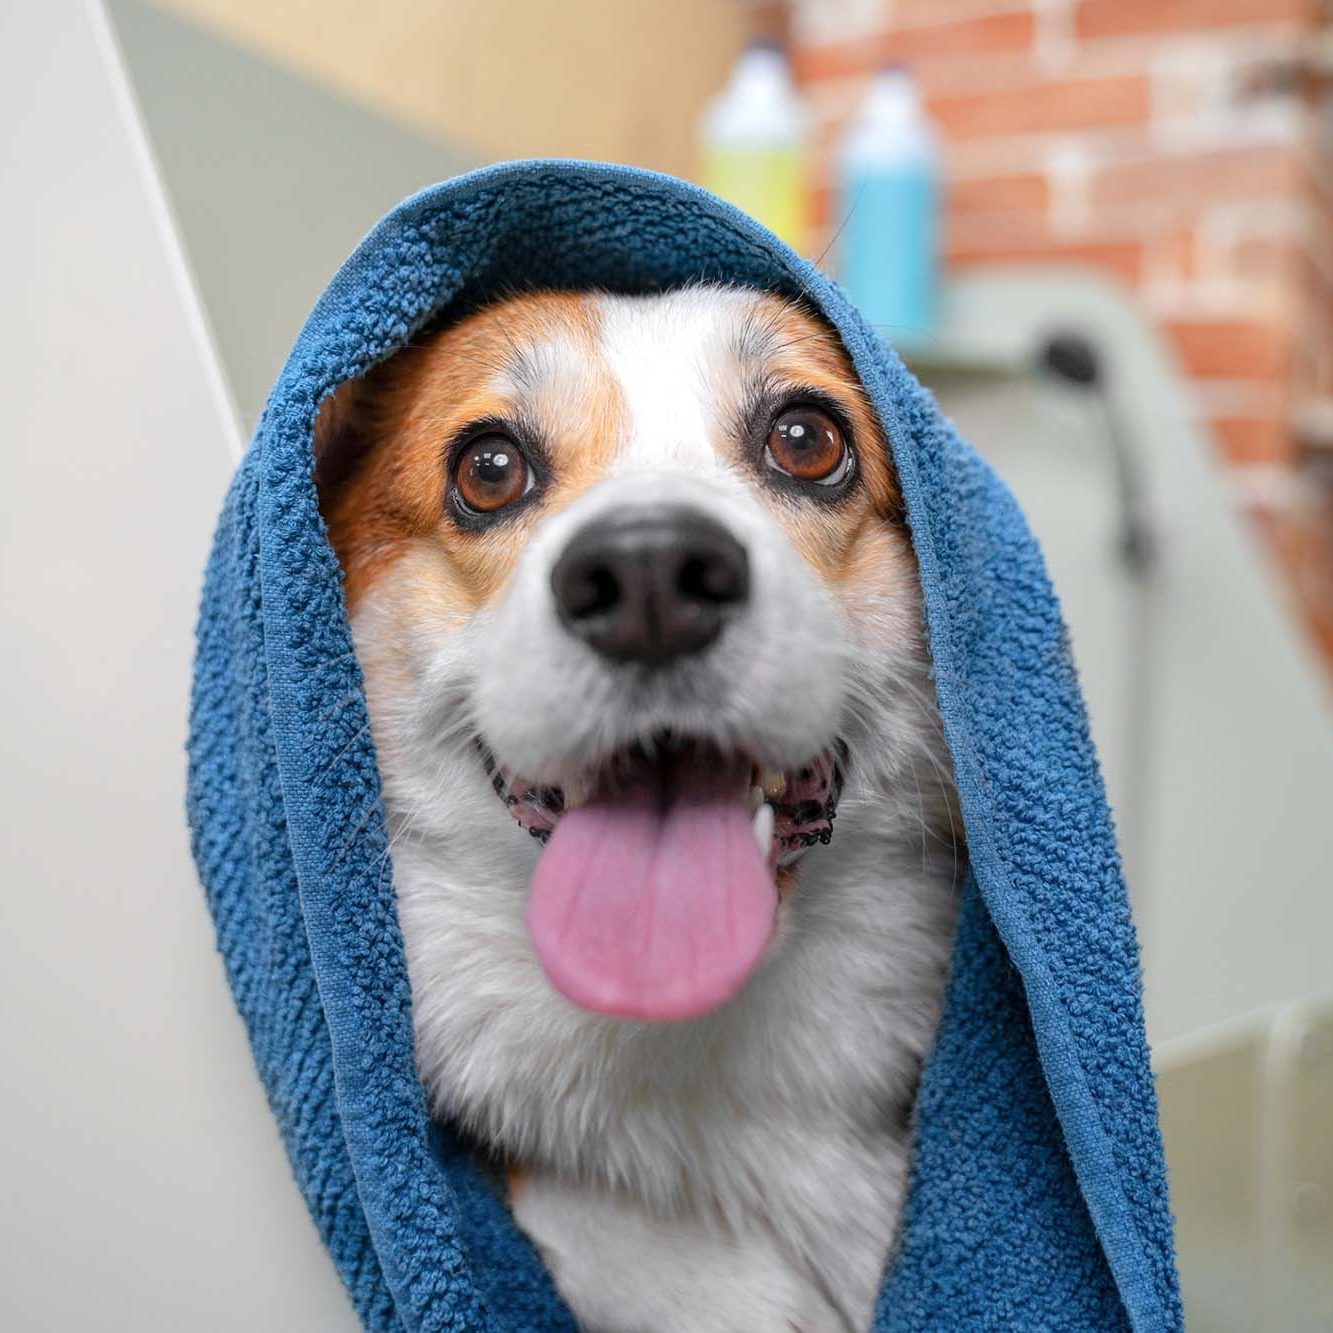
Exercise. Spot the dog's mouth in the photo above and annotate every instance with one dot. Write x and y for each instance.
(655, 894)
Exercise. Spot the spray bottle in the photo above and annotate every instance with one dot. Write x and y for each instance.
(752, 140)
(888, 209)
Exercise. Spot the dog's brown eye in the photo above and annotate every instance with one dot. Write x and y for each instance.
(807, 444)
(492, 473)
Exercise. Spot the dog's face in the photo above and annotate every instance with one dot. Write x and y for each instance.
(631, 590)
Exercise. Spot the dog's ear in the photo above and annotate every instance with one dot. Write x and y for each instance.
(344, 435)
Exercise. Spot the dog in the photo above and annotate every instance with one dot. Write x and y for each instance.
(673, 830)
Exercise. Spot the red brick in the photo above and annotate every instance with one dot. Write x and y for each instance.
(917, 13)
(1173, 255)
(1119, 18)
(1262, 257)
(1179, 183)
(1311, 306)
(999, 194)
(1044, 107)
(1321, 627)
(1303, 546)
(1120, 259)
(989, 33)
(1250, 440)
(819, 207)
(1230, 349)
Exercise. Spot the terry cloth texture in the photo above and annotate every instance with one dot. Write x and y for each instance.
(1038, 1197)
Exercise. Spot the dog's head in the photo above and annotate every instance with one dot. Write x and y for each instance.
(631, 589)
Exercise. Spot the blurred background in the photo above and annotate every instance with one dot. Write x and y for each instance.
(1100, 230)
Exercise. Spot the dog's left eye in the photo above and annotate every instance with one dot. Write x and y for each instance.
(491, 473)
(806, 443)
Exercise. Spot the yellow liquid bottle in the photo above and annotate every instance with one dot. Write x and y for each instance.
(752, 144)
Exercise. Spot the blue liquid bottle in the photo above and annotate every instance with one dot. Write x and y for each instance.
(888, 209)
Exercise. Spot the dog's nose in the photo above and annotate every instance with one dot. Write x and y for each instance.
(650, 584)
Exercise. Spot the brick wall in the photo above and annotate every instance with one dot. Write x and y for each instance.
(1183, 146)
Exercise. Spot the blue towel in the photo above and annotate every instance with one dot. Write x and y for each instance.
(1038, 1198)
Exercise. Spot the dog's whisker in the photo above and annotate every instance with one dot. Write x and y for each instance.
(372, 808)
(400, 835)
(327, 664)
(335, 763)
(345, 702)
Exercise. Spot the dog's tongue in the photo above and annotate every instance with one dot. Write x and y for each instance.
(654, 902)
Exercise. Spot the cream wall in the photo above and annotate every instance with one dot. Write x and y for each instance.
(621, 80)
(143, 1186)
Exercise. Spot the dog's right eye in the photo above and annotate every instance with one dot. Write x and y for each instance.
(805, 443)
(491, 473)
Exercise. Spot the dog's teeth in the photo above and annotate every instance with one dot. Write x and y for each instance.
(756, 798)
(576, 793)
(763, 829)
(774, 783)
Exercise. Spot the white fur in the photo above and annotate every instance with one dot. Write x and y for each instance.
(743, 1171)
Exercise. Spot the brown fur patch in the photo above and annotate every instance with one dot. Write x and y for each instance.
(861, 541)
(801, 351)
(515, 1178)
(534, 356)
